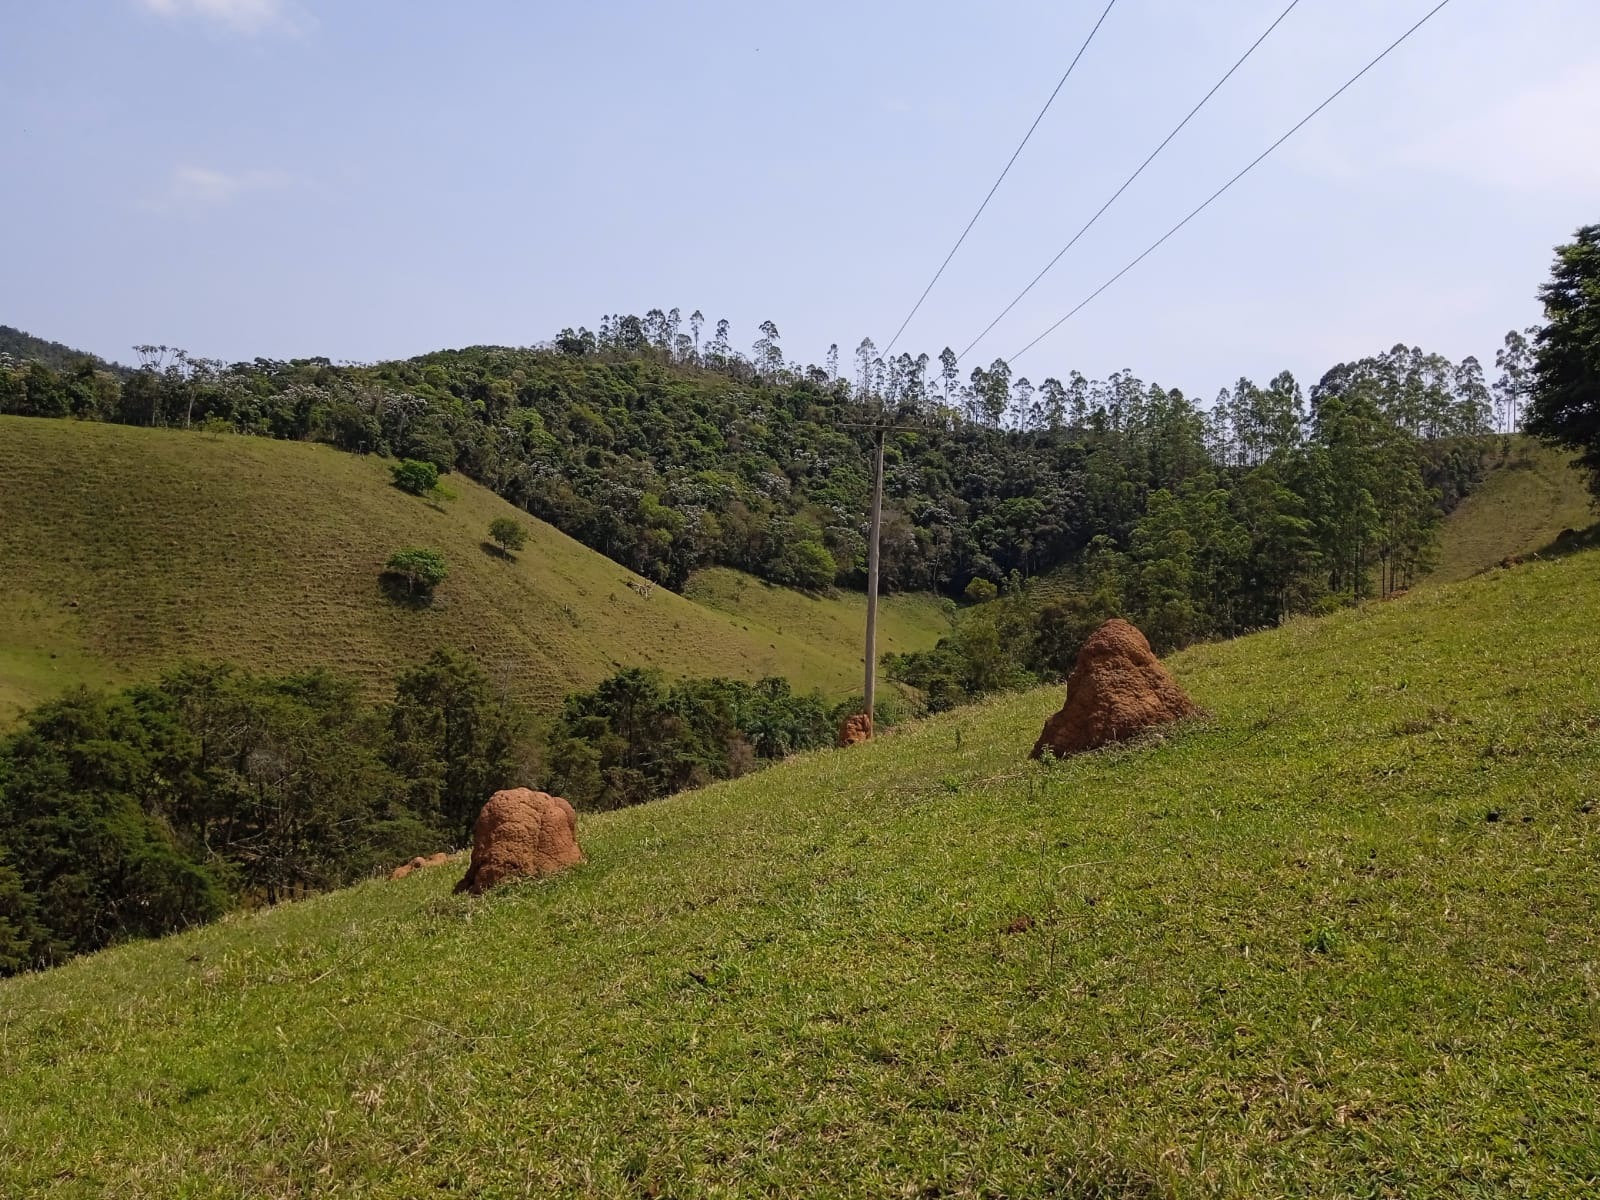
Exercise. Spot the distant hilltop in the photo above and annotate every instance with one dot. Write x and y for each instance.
(19, 344)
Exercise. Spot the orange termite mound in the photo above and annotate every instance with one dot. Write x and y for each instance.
(1117, 688)
(418, 863)
(856, 728)
(521, 832)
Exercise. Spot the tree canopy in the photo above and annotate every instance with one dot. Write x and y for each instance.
(1565, 385)
(657, 443)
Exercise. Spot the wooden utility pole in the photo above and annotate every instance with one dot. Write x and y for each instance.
(872, 571)
(880, 429)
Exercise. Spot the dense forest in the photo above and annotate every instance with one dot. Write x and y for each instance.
(136, 813)
(656, 443)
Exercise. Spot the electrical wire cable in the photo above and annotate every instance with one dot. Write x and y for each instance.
(1006, 171)
(1216, 195)
(1127, 183)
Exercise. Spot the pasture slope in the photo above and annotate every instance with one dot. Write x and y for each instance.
(127, 549)
(1336, 939)
(1528, 497)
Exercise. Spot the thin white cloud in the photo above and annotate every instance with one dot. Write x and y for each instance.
(248, 17)
(194, 187)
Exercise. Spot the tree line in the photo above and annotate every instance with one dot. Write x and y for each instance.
(139, 812)
(656, 443)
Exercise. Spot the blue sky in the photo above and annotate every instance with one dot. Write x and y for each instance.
(366, 179)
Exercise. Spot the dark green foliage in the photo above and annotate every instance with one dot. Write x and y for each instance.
(980, 591)
(283, 779)
(97, 863)
(635, 737)
(452, 741)
(669, 454)
(419, 569)
(137, 813)
(134, 814)
(508, 533)
(411, 474)
(1001, 645)
(804, 564)
(1565, 408)
(24, 940)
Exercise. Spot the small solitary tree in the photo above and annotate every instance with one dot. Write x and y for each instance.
(415, 476)
(508, 533)
(422, 570)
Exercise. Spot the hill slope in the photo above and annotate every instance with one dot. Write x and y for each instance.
(20, 344)
(1527, 498)
(915, 622)
(125, 549)
(1336, 940)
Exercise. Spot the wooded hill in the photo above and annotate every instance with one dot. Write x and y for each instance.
(667, 451)
(127, 550)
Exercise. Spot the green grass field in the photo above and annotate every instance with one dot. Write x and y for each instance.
(1337, 939)
(126, 549)
(1528, 497)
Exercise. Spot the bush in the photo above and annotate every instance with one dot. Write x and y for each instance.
(508, 533)
(422, 570)
(981, 591)
(805, 564)
(636, 737)
(415, 476)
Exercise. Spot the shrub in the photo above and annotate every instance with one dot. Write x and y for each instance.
(508, 533)
(637, 737)
(422, 570)
(981, 591)
(415, 476)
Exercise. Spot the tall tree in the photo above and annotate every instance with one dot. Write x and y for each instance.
(768, 352)
(452, 739)
(1565, 396)
(866, 355)
(949, 374)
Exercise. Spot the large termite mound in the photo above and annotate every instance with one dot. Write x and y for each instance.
(521, 832)
(857, 728)
(1117, 688)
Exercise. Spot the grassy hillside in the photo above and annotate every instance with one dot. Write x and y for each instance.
(125, 549)
(1337, 939)
(914, 622)
(1528, 497)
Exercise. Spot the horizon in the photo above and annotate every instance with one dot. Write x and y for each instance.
(836, 156)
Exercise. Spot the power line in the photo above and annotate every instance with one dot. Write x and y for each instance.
(1304, 121)
(1059, 85)
(1115, 196)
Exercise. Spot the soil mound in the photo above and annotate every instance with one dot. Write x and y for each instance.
(418, 863)
(1117, 688)
(856, 728)
(521, 832)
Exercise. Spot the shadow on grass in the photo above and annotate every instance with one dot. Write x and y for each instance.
(494, 551)
(1570, 541)
(400, 591)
